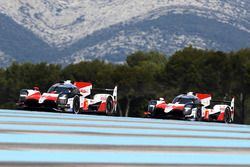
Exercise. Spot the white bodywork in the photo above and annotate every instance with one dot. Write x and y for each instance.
(97, 98)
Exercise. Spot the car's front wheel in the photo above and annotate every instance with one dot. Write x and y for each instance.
(198, 115)
(76, 105)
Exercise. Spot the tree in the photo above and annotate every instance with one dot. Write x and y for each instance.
(137, 79)
(96, 71)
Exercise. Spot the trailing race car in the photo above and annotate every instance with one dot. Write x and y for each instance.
(184, 106)
(29, 98)
(65, 96)
(220, 110)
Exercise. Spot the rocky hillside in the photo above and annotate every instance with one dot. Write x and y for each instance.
(66, 31)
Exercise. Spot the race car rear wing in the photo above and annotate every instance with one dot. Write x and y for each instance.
(204, 98)
(84, 87)
(227, 102)
(113, 92)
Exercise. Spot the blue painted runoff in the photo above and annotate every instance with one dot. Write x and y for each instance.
(120, 140)
(125, 124)
(123, 157)
(118, 131)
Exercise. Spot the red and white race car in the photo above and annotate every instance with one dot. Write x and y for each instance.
(184, 106)
(195, 106)
(71, 97)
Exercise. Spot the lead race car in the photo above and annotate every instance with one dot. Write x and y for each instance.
(71, 97)
(184, 106)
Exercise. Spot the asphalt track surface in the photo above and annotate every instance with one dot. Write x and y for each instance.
(38, 139)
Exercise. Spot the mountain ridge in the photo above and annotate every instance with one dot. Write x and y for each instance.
(70, 31)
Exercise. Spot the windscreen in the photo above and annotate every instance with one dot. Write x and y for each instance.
(182, 100)
(59, 89)
(152, 102)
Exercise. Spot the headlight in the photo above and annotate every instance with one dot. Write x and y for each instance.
(62, 99)
(194, 109)
(151, 108)
(23, 95)
(187, 108)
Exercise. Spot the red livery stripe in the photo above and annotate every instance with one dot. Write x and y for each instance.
(202, 96)
(161, 105)
(80, 85)
(102, 107)
(35, 96)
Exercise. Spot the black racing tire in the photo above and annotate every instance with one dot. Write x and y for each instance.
(227, 115)
(76, 105)
(154, 113)
(109, 106)
(198, 115)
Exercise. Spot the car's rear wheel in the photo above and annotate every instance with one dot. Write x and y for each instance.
(227, 115)
(109, 106)
(76, 105)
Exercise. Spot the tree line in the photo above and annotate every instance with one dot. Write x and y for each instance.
(144, 76)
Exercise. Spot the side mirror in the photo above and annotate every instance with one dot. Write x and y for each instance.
(161, 99)
(36, 88)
